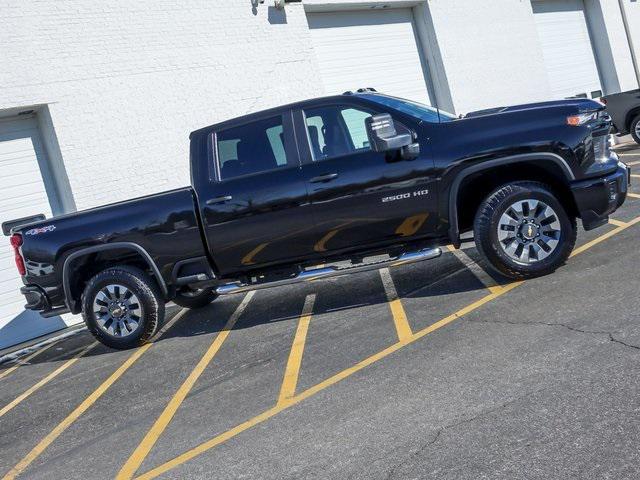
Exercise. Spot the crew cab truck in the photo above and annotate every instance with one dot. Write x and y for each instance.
(353, 182)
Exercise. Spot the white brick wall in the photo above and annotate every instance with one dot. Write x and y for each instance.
(127, 81)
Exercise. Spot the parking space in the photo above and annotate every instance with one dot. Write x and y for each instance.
(431, 370)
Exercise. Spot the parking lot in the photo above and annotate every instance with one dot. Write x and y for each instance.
(431, 370)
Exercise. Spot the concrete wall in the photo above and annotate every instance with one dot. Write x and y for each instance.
(125, 82)
(632, 10)
(489, 51)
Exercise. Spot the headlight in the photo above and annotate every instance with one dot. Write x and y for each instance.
(581, 119)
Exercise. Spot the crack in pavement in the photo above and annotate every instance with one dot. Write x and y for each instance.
(563, 325)
(393, 470)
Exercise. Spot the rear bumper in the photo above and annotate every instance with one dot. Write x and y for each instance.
(597, 198)
(37, 300)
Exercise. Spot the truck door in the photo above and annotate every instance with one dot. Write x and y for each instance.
(359, 197)
(254, 204)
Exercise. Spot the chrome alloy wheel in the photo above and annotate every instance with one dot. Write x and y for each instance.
(637, 129)
(117, 310)
(529, 231)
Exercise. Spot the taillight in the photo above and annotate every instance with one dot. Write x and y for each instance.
(16, 243)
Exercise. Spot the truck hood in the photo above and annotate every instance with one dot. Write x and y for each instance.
(579, 104)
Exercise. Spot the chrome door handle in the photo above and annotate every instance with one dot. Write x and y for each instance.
(224, 198)
(324, 178)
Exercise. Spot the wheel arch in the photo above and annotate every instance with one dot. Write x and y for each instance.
(547, 167)
(631, 115)
(137, 255)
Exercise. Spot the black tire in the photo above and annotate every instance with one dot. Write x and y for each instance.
(195, 299)
(487, 222)
(633, 129)
(144, 289)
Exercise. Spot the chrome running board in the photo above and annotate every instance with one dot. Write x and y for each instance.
(326, 272)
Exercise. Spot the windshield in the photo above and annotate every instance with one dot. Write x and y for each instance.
(415, 109)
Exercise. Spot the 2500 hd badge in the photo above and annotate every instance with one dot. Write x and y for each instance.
(404, 196)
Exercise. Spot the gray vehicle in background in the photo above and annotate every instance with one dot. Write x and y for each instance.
(624, 108)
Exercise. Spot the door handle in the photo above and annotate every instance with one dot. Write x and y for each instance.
(324, 178)
(224, 198)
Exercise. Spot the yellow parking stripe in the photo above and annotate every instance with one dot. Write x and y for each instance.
(403, 328)
(292, 371)
(62, 426)
(150, 439)
(480, 273)
(47, 379)
(602, 238)
(223, 437)
(26, 359)
(631, 164)
(633, 195)
(617, 223)
(88, 402)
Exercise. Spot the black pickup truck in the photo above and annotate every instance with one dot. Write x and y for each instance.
(326, 187)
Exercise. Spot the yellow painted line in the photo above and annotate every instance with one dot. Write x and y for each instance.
(617, 223)
(292, 371)
(400, 321)
(46, 379)
(88, 402)
(633, 195)
(635, 176)
(604, 237)
(73, 416)
(451, 248)
(150, 439)
(480, 273)
(248, 258)
(26, 359)
(262, 417)
(631, 164)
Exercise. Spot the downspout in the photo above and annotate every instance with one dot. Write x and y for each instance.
(625, 22)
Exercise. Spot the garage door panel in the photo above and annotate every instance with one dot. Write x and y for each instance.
(566, 46)
(23, 194)
(369, 49)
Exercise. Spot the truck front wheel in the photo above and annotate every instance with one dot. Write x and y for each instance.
(523, 231)
(122, 307)
(194, 298)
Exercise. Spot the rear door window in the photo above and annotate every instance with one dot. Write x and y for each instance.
(251, 148)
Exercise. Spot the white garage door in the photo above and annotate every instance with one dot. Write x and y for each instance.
(23, 194)
(369, 49)
(566, 47)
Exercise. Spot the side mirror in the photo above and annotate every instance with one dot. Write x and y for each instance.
(383, 137)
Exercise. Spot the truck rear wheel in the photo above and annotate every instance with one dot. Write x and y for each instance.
(523, 231)
(122, 307)
(190, 298)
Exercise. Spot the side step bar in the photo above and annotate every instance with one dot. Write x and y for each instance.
(325, 272)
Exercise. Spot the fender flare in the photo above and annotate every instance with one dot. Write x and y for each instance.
(454, 231)
(66, 281)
